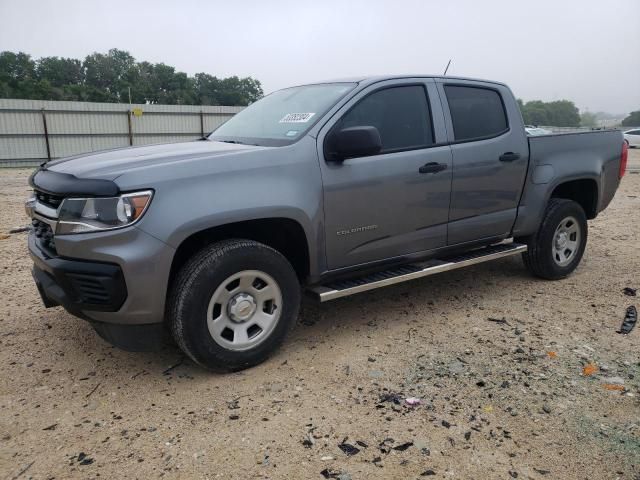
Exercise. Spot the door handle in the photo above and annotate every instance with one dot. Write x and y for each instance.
(432, 167)
(509, 157)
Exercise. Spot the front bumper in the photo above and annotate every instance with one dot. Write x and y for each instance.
(77, 285)
(116, 280)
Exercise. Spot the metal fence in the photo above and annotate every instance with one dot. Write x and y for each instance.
(33, 131)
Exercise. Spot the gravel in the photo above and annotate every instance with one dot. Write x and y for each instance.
(494, 402)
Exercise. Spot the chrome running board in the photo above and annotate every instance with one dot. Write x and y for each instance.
(344, 288)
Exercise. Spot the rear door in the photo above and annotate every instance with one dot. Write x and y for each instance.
(490, 157)
(381, 206)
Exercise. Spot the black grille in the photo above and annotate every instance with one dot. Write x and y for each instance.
(52, 201)
(44, 234)
(89, 289)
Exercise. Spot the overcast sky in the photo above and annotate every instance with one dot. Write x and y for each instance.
(586, 51)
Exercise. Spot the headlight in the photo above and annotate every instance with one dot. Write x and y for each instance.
(82, 215)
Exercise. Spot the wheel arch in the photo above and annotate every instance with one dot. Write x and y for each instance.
(283, 234)
(583, 191)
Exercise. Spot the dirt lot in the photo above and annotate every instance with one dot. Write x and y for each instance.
(496, 356)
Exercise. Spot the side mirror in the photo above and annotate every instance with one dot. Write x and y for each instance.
(354, 142)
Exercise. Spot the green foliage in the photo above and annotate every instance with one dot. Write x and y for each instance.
(109, 78)
(561, 113)
(633, 120)
(588, 119)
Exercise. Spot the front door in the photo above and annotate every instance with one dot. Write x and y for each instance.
(396, 202)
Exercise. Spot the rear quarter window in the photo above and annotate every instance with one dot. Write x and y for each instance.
(476, 112)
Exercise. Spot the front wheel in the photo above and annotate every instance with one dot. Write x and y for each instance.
(556, 249)
(232, 304)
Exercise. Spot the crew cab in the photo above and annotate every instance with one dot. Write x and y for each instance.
(329, 189)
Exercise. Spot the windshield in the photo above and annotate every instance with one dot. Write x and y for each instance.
(282, 117)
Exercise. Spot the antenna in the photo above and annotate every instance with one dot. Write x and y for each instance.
(445, 70)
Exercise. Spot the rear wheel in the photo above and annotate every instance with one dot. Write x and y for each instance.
(556, 249)
(233, 303)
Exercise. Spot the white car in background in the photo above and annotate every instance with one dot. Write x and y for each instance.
(632, 137)
(535, 131)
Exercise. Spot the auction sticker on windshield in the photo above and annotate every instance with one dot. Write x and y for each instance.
(296, 117)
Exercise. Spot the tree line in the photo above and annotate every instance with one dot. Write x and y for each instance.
(561, 113)
(633, 120)
(564, 113)
(113, 76)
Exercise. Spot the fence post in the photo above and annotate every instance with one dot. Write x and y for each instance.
(46, 135)
(130, 128)
(201, 124)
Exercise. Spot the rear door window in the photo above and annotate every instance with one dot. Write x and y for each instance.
(476, 112)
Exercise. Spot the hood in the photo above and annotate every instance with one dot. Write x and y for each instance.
(111, 164)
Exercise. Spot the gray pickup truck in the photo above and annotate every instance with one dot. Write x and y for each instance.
(332, 188)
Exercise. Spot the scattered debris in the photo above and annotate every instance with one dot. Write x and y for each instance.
(235, 403)
(385, 445)
(427, 473)
(403, 447)
(176, 365)
(84, 459)
(362, 444)
(614, 380)
(614, 386)
(3, 236)
(589, 369)
(390, 397)
(234, 417)
(348, 449)
(552, 354)
(21, 472)
(412, 401)
(546, 408)
(631, 292)
(629, 321)
(51, 427)
(542, 472)
(327, 473)
(93, 390)
(26, 228)
(499, 320)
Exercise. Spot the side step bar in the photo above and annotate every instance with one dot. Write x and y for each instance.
(344, 288)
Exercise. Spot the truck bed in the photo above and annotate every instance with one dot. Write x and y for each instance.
(596, 152)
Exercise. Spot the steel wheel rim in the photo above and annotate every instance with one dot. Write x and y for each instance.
(244, 310)
(566, 241)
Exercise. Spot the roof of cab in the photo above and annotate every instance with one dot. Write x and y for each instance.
(379, 78)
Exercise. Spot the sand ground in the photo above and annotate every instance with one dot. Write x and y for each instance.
(499, 399)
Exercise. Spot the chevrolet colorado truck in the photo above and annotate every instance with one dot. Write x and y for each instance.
(331, 189)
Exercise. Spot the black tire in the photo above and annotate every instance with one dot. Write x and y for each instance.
(194, 287)
(539, 257)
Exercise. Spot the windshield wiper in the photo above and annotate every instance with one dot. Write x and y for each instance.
(236, 142)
